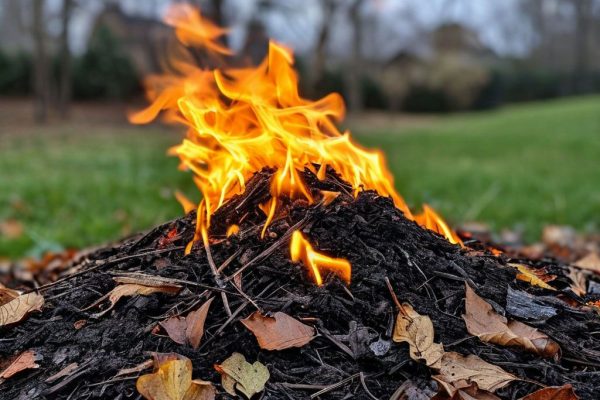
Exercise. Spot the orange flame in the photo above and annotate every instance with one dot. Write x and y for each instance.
(242, 119)
(431, 220)
(301, 250)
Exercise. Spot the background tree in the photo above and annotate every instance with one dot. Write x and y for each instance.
(40, 62)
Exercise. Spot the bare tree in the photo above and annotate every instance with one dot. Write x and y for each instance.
(40, 61)
(64, 78)
(583, 22)
(354, 70)
(317, 68)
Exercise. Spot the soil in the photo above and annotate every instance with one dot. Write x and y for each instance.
(354, 322)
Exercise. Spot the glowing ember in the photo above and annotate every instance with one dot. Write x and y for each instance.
(301, 250)
(242, 119)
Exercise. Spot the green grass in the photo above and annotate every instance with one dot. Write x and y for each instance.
(520, 167)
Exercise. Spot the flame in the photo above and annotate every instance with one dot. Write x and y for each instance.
(242, 119)
(301, 250)
(431, 220)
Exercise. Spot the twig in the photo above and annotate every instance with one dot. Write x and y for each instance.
(267, 252)
(364, 385)
(334, 386)
(100, 264)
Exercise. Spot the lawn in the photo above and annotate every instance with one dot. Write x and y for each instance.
(519, 167)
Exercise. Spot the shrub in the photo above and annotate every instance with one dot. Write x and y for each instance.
(15, 74)
(104, 71)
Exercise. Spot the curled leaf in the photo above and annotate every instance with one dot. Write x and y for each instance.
(455, 368)
(528, 275)
(173, 381)
(279, 331)
(417, 331)
(489, 326)
(132, 287)
(189, 329)
(18, 308)
(565, 392)
(237, 373)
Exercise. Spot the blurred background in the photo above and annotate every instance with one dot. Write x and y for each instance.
(486, 109)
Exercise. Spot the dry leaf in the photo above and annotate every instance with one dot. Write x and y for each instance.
(489, 326)
(237, 373)
(134, 289)
(417, 331)
(66, 371)
(175, 328)
(553, 393)
(195, 324)
(472, 369)
(528, 275)
(590, 262)
(7, 294)
(173, 381)
(23, 361)
(16, 309)
(461, 390)
(189, 329)
(279, 331)
(579, 279)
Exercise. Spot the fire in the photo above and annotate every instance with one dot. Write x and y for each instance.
(301, 250)
(242, 119)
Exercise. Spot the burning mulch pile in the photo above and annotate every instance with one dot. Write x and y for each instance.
(402, 320)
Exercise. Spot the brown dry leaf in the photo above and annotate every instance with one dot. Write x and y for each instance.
(195, 324)
(23, 361)
(237, 373)
(173, 381)
(134, 289)
(579, 279)
(189, 329)
(472, 369)
(590, 262)
(461, 390)
(278, 332)
(175, 328)
(526, 274)
(417, 331)
(489, 326)
(16, 309)
(7, 294)
(565, 392)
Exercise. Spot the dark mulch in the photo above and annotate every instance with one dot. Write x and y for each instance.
(355, 323)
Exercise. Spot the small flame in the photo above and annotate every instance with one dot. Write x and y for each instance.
(243, 119)
(431, 220)
(301, 250)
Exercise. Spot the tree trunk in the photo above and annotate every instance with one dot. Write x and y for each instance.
(64, 84)
(40, 61)
(354, 69)
(583, 11)
(317, 67)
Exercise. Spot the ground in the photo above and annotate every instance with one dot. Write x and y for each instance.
(96, 178)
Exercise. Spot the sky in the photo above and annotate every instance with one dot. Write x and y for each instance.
(392, 24)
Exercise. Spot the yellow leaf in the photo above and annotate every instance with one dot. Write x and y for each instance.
(417, 331)
(237, 373)
(527, 275)
(173, 381)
